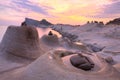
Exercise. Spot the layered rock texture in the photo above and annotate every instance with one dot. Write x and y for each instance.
(22, 41)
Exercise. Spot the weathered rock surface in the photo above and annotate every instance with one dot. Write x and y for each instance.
(109, 59)
(95, 48)
(50, 39)
(81, 62)
(117, 66)
(21, 41)
(51, 67)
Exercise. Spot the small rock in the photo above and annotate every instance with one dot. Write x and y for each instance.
(95, 48)
(50, 33)
(109, 59)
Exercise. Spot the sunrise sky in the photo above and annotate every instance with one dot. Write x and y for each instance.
(58, 11)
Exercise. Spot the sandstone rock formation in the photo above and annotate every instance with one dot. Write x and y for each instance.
(51, 67)
(21, 41)
(50, 39)
(24, 42)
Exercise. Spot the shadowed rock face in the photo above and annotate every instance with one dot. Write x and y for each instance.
(115, 21)
(21, 41)
(81, 62)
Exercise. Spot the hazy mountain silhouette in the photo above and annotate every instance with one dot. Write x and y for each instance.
(45, 22)
(32, 22)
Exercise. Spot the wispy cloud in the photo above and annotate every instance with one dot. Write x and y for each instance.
(25, 4)
(113, 8)
(110, 10)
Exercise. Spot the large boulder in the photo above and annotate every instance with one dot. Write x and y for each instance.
(77, 60)
(81, 62)
(22, 42)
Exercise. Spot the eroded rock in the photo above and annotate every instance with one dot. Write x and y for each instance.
(50, 39)
(109, 59)
(22, 42)
(81, 62)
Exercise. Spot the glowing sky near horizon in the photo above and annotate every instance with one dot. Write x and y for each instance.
(13, 12)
